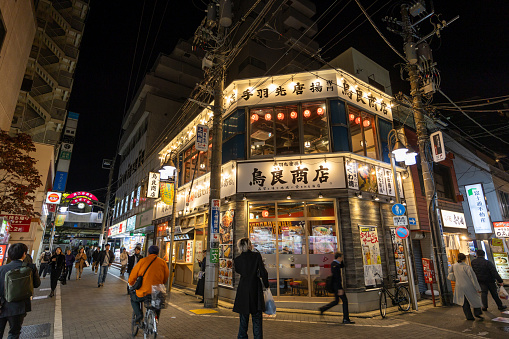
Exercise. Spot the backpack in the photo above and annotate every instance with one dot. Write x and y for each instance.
(329, 284)
(18, 284)
(47, 256)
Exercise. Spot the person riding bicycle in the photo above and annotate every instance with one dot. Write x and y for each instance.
(157, 272)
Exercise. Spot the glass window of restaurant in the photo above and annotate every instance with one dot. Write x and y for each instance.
(297, 241)
(362, 133)
(194, 163)
(289, 129)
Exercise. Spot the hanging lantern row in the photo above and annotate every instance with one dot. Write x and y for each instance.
(293, 115)
(357, 120)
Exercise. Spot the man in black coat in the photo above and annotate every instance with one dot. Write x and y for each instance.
(106, 258)
(132, 261)
(95, 259)
(486, 276)
(339, 292)
(15, 312)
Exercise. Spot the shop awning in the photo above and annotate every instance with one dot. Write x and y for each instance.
(186, 234)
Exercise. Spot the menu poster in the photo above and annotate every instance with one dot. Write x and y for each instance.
(371, 254)
(429, 271)
(226, 225)
(367, 178)
(502, 264)
(399, 256)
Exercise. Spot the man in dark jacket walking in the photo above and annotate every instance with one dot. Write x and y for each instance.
(339, 292)
(95, 259)
(132, 261)
(15, 312)
(486, 276)
(106, 258)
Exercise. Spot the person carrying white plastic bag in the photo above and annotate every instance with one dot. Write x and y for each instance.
(250, 297)
(502, 293)
(270, 304)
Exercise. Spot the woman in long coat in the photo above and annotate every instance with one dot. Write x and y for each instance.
(249, 298)
(467, 289)
(57, 263)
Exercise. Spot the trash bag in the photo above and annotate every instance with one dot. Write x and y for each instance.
(270, 305)
(158, 296)
(502, 293)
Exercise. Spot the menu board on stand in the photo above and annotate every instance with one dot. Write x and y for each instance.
(371, 255)
(399, 256)
(226, 225)
(502, 264)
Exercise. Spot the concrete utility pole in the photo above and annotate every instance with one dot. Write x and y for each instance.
(107, 207)
(423, 138)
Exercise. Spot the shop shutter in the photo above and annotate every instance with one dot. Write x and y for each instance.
(416, 244)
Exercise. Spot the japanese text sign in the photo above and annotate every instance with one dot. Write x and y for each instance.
(478, 208)
(372, 261)
(19, 223)
(454, 219)
(202, 138)
(153, 185)
(437, 146)
(291, 174)
(501, 229)
(214, 219)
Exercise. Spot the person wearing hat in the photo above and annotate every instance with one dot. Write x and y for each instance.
(154, 271)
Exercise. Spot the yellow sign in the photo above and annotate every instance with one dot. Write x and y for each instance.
(497, 242)
(60, 219)
(167, 191)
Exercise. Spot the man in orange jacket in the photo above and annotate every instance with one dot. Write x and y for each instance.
(156, 272)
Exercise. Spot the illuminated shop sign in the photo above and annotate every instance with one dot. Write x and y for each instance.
(478, 208)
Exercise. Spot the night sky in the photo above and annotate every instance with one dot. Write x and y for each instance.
(471, 56)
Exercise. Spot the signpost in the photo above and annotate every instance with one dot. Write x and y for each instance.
(400, 221)
(412, 221)
(214, 255)
(398, 209)
(402, 232)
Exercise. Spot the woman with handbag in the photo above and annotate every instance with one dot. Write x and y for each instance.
(81, 260)
(249, 298)
(467, 288)
(200, 286)
(57, 263)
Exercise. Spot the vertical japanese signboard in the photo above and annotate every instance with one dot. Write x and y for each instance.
(370, 254)
(226, 248)
(437, 146)
(351, 174)
(478, 208)
(214, 218)
(399, 256)
(202, 138)
(153, 185)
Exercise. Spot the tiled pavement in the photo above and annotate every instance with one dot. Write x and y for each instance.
(91, 312)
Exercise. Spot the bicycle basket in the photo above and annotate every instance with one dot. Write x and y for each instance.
(158, 297)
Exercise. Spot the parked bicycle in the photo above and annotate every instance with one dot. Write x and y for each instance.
(149, 322)
(401, 297)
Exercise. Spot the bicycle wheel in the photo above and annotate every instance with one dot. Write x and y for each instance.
(383, 304)
(403, 299)
(150, 331)
(134, 326)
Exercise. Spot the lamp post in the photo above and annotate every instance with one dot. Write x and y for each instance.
(170, 170)
(400, 153)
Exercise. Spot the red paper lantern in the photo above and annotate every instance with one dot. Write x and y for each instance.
(320, 111)
(351, 116)
(268, 117)
(280, 116)
(366, 123)
(265, 213)
(293, 115)
(307, 113)
(254, 117)
(358, 120)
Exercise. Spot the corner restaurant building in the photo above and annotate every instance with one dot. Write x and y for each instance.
(305, 173)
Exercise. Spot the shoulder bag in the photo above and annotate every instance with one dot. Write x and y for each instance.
(139, 280)
(451, 275)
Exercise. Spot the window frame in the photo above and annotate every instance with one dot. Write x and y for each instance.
(374, 127)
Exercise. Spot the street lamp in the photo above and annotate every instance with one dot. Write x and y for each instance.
(399, 150)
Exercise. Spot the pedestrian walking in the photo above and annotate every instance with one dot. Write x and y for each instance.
(339, 291)
(69, 260)
(487, 276)
(132, 261)
(200, 286)
(44, 262)
(95, 259)
(57, 264)
(106, 258)
(249, 298)
(467, 289)
(81, 259)
(124, 258)
(89, 255)
(14, 312)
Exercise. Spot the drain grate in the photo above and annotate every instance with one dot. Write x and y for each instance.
(36, 331)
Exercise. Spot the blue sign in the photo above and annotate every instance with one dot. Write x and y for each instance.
(215, 216)
(412, 221)
(73, 115)
(60, 181)
(402, 232)
(398, 209)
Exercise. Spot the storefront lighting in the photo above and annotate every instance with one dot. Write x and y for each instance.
(351, 116)
(272, 87)
(289, 197)
(376, 198)
(403, 203)
(320, 111)
(293, 115)
(280, 116)
(268, 117)
(63, 209)
(307, 113)
(359, 194)
(391, 201)
(358, 120)
(405, 174)
(307, 144)
(410, 158)
(320, 195)
(244, 197)
(366, 123)
(202, 166)
(399, 151)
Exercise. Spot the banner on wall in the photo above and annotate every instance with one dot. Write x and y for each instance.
(60, 219)
(226, 225)
(370, 254)
(399, 256)
(478, 208)
(370, 178)
(167, 192)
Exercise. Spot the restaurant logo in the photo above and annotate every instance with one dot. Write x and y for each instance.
(53, 197)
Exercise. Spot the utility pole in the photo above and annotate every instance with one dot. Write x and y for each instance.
(423, 138)
(107, 207)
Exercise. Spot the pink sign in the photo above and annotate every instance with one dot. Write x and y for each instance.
(19, 223)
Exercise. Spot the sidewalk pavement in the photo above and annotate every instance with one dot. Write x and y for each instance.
(87, 311)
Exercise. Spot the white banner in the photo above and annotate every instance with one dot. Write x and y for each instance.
(153, 185)
(291, 174)
(453, 219)
(478, 208)
(351, 174)
(382, 183)
(163, 210)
